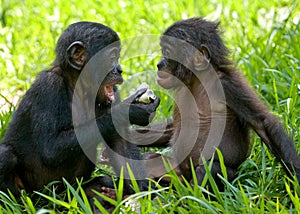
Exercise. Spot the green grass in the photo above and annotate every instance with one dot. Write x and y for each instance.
(264, 38)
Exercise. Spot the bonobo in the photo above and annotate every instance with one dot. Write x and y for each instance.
(40, 144)
(215, 107)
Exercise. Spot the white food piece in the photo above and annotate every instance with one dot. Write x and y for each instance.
(147, 97)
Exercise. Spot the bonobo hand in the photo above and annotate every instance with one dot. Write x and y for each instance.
(140, 113)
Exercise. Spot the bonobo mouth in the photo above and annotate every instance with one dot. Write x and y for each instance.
(109, 90)
(163, 75)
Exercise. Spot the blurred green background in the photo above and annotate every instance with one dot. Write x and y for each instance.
(263, 38)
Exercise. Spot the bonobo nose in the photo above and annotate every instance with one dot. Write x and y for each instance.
(161, 64)
(117, 69)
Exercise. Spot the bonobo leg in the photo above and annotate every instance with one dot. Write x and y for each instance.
(8, 177)
(215, 170)
(103, 185)
(157, 135)
(155, 167)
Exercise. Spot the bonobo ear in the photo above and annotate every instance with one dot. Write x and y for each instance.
(76, 55)
(204, 49)
(202, 58)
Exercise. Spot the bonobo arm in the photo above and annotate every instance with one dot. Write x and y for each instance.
(157, 135)
(48, 107)
(125, 113)
(247, 106)
(121, 153)
(115, 122)
(50, 120)
(139, 113)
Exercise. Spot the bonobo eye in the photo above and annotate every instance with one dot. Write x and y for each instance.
(166, 52)
(114, 56)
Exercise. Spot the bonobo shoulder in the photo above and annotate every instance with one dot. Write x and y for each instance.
(47, 89)
(47, 81)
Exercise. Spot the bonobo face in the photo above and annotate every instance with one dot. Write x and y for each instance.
(171, 70)
(167, 66)
(106, 92)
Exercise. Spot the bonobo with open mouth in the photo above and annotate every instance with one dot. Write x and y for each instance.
(40, 144)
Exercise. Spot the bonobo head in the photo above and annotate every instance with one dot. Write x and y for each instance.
(79, 43)
(189, 46)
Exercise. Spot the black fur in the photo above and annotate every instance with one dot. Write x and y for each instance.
(40, 144)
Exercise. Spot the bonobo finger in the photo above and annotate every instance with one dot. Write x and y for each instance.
(153, 105)
(149, 107)
(111, 193)
(156, 103)
(140, 92)
(135, 96)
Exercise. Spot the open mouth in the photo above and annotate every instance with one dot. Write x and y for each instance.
(109, 91)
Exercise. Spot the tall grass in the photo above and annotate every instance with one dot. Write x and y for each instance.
(264, 38)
